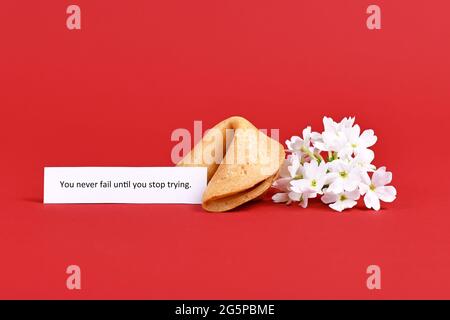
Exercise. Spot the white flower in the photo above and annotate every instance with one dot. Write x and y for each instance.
(280, 197)
(297, 143)
(376, 189)
(302, 198)
(290, 170)
(363, 160)
(333, 137)
(313, 180)
(283, 183)
(341, 201)
(302, 146)
(330, 125)
(356, 143)
(344, 176)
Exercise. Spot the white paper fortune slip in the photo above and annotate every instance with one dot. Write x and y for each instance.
(124, 184)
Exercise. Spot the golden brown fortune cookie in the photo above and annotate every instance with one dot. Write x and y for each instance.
(241, 161)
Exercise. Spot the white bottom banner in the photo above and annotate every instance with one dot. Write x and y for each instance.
(124, 184)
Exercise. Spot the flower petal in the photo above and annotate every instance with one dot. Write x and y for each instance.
(280, 197)
(381, 177)
(294, 196)
(304, 202)
(329, 197)
(371, 200)
(338, 206)
(282, 184)
(293, 168)
(365, 178)
(348, 204)
(350, 184)
(386, 193)
(295, 143)
(300, 186)
(306, 134)
(368, 138)
(352, 195)
(363, 188)
(337, 186)
(315, 136)
(320, 145)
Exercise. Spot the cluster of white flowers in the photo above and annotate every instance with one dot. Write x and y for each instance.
(342, 177)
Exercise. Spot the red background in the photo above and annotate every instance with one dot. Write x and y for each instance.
(111, 94)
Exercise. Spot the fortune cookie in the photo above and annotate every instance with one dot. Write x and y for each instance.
(241, 161)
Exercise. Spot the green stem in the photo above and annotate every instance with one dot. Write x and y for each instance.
(317, 156)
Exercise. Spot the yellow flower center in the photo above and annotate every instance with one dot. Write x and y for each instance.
(343, 174)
